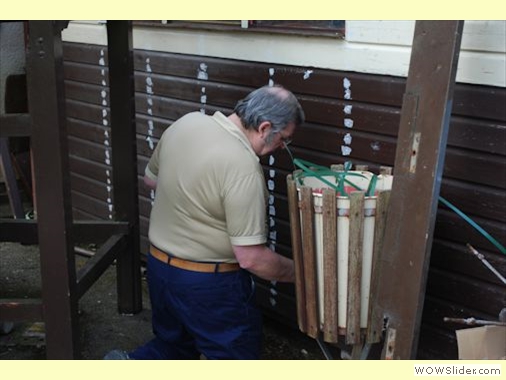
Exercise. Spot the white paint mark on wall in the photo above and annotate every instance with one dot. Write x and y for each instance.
(348, 123)
(150, 142)
(272, 209)
(376, 146)
(307, 74)
(151, 125)
(202, 72)
(347, 88)
(105, 123)
(345, 150)
(271, 75)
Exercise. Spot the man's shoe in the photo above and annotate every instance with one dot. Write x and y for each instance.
(116, 355)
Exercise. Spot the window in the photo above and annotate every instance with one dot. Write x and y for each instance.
(327, 28)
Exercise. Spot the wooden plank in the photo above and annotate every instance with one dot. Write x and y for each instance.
(21, 310)
(124, 161)
(99, 263)
(309, 257)
(476, 167)
(298, 259)
(492, 201)
(18, 124)
(18, 230)
(437, 344)
(9, 176)
(87, 92)
(330, 325)
(98, 208)
(479, 135)
(451, 227)
(89, 169)
(355, 267)
(375, 321)
(44, 64)
(418, 170)
(456, 258)
(489, 298)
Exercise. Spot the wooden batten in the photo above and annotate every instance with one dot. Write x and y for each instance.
(330, 323)
(375, 318)
(355, 267)
(309, 256)
(337, 167)
(362, 168)
(385, 170)
(293, 208)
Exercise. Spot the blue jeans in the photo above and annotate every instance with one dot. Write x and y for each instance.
(195, 313)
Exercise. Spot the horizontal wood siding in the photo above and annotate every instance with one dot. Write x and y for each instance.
(171, 85)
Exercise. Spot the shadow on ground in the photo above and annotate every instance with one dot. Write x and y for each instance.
(102, 328)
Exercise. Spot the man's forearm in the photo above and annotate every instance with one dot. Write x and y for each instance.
(265, 263)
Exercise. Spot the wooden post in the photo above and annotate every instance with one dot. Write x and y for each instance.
(330, 328)
(308, 249)
(375, 322)
(293, 208)
(418, 171)
(355, 267)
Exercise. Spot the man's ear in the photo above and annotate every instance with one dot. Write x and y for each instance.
(264, 128)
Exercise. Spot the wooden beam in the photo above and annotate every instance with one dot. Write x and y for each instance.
(417, 178)
(46, 98)
(21, 310)
(100, 261)
(296, 238)
(309, 258)
(15, 125)
(124, 160)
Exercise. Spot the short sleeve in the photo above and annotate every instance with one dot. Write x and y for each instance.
(245, 210)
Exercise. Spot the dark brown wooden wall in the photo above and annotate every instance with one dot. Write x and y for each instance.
(170, 85)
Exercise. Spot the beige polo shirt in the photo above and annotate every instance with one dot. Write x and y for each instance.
(211, 191)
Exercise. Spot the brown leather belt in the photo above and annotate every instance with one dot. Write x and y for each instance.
(192, 265)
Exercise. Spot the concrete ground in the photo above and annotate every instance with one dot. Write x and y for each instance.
(102, 328)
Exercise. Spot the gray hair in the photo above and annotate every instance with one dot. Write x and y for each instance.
(274, 104)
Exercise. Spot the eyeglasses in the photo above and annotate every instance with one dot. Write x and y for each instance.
(284, 139)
